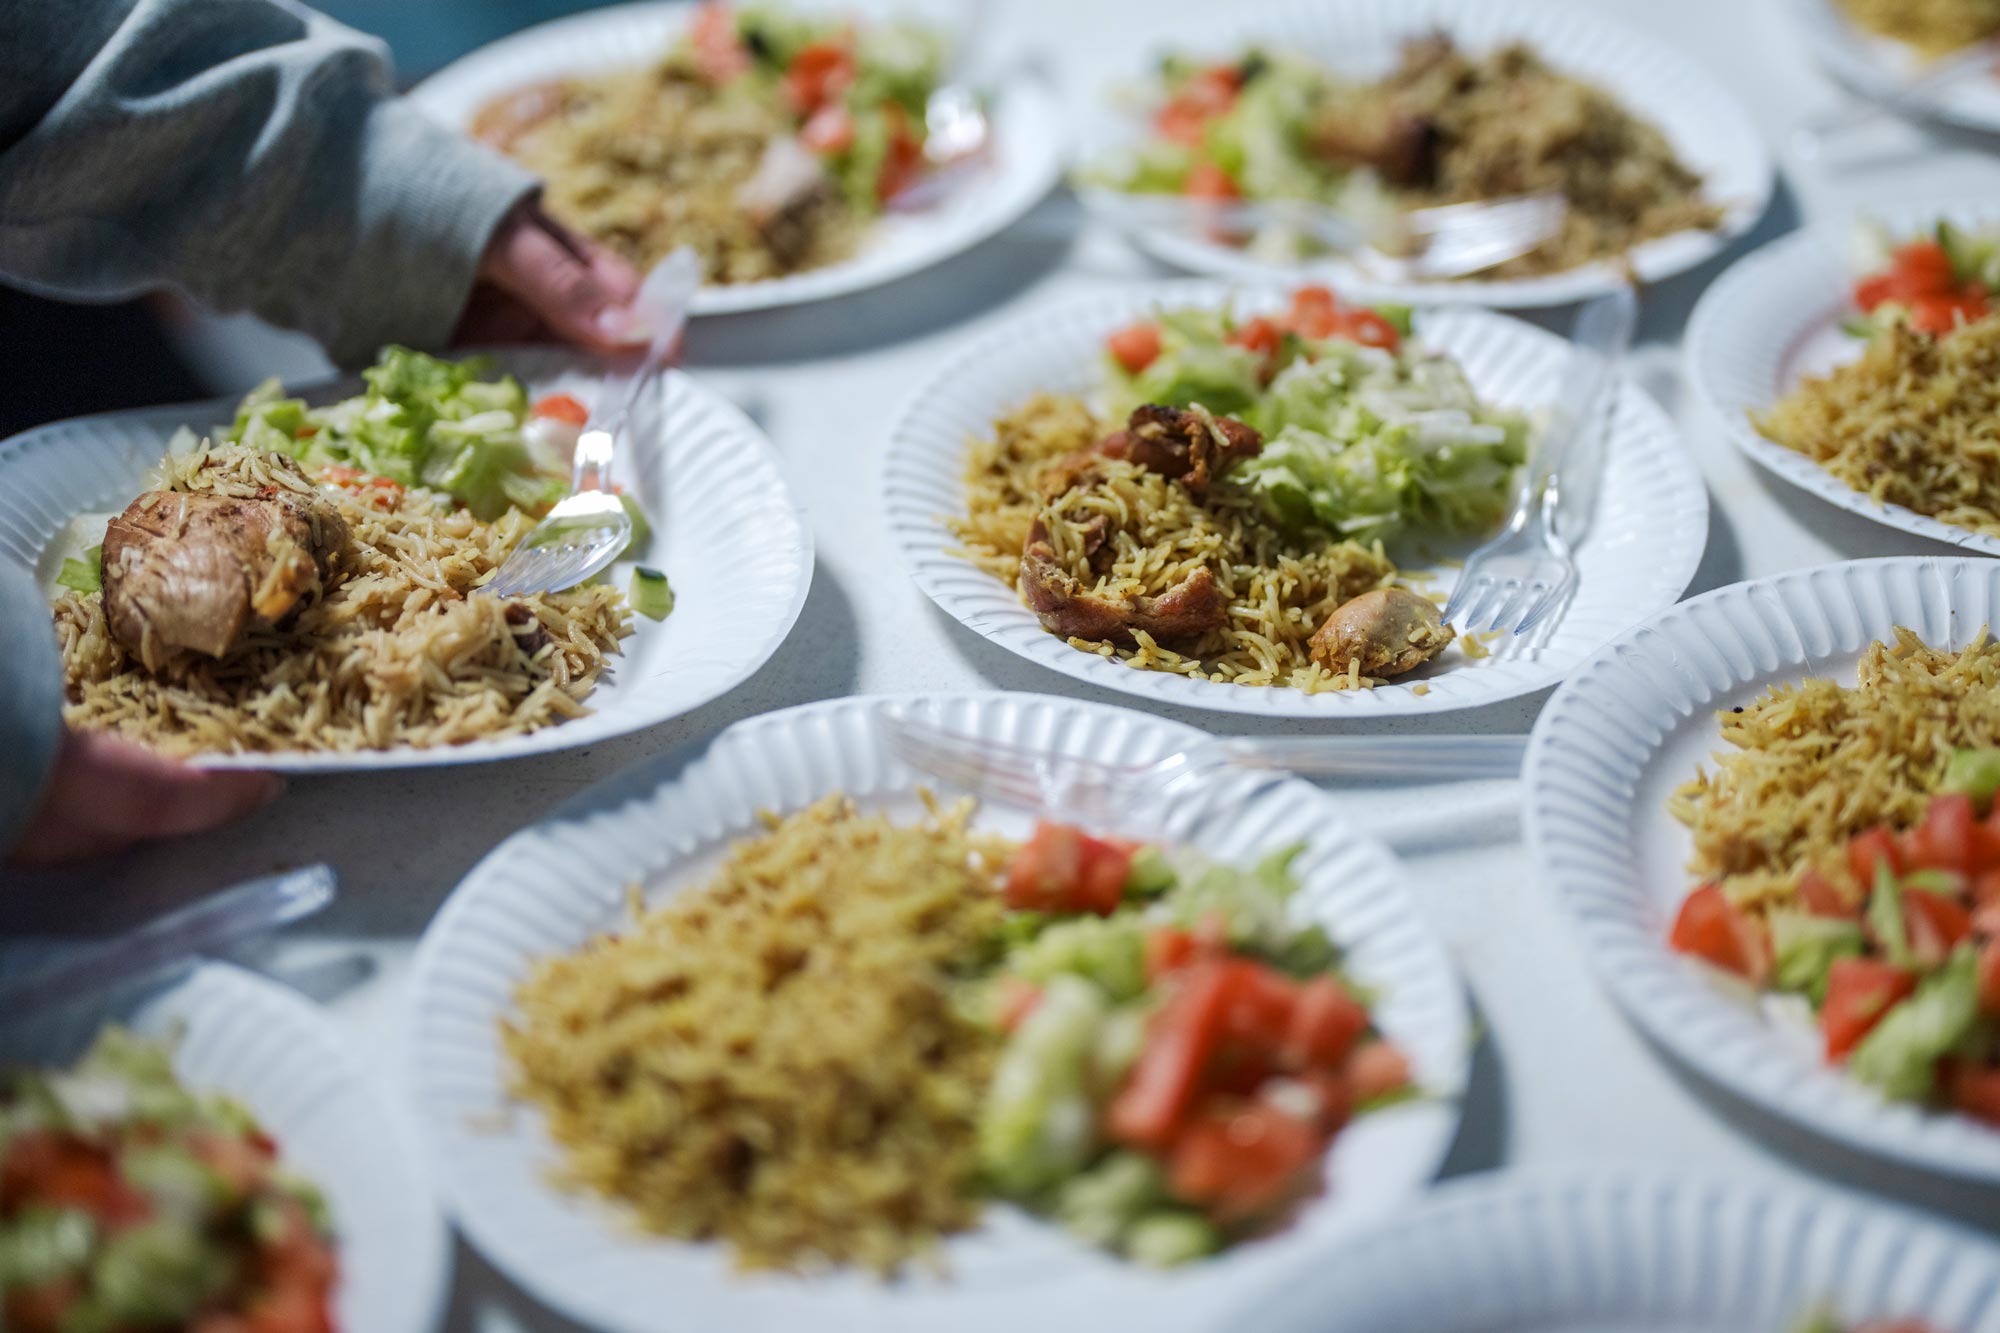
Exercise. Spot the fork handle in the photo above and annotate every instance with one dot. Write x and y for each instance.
(1393, 757)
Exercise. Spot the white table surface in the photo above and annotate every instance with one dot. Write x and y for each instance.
(1561, 1078)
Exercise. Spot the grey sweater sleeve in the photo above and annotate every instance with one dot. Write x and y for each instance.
(246, 152)
(30, 700)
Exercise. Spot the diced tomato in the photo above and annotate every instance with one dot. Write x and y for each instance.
(1715, 930)
(1945, 839)
(1263, 1003)
(1326, 1022)
(305, 432)
(562, 407)
(1376, 1070)
(63, 1171)
(1181, 122)
(354, 479)
(1184, 118)
(1989, 978)
(1936, 923)
(1942, 312)
(1315, 312)
(1858, 992)
(1180, 1037)
(1865, 850)
(1369, 329)
(905, 158)
(1135, 347)
(1239, 1163)
(292, 1309)
(819, 73)
(1167, 948)
(1821, 898)
(1206, 180)
(1975, 1090)
(1922, 266)
(1873, 290)
(1334, 1095)
(829, 130)
(44, 1308)
(719, 52)
(1064, 869)
(1263, 338)
(1017, 999)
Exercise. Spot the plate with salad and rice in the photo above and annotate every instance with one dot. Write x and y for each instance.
(1374, 108)
(1257, 502)
(785, 143)
(1769, 811)
(775, 1032)
(293, 582)
(1618, 1249)
(1860, 363)
(209, 1154)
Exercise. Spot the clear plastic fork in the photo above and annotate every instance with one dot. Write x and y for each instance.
(1096, 792)
(587, 531)
(1515, 580)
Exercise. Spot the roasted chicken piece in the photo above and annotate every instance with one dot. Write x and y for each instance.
(1189, 609)
(191, 571)
(1399, 147)
(1391, 631)
(1189, 446)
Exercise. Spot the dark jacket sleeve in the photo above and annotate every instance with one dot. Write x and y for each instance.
(246, 152)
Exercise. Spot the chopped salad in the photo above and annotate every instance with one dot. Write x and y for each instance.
(1897, 948)
(133, 1205)
(856, 92)
(423, 421)
(1365, 435)
(1179, 1054)
(1934, 284)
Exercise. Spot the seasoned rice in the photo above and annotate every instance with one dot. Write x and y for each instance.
(1279, 589)
(779, 1059)
(1933, 27)
(397, 654)
(649, 159)
(1914, 422)
(1816, 763)
(1509, 124)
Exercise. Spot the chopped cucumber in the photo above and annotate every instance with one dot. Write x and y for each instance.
(650, 594)
(1167, 1238)
(1975, 773)
(642, 531)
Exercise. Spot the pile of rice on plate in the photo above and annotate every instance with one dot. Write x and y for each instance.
(1508, 124)
(1932, 28)
(1816, 763)
(1915, 421)
(396, 654)
(1279, 589)
(776, 1059)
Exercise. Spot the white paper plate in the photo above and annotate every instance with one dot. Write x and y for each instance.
(1631, 726)
(273, 1051)
(1640, 552)
(1621, 1249)
(1775, 317)
(1708, 127)
(1028, 143)
(548, 889)
(1879, 67)
(717, 486)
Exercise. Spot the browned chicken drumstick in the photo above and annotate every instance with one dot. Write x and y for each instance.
(1390, 630)
(190, 572)
(1191, 447)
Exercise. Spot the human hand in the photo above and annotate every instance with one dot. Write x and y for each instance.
(540, 282)
(107, 793)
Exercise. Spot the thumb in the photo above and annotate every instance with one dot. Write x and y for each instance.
(530, 262)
